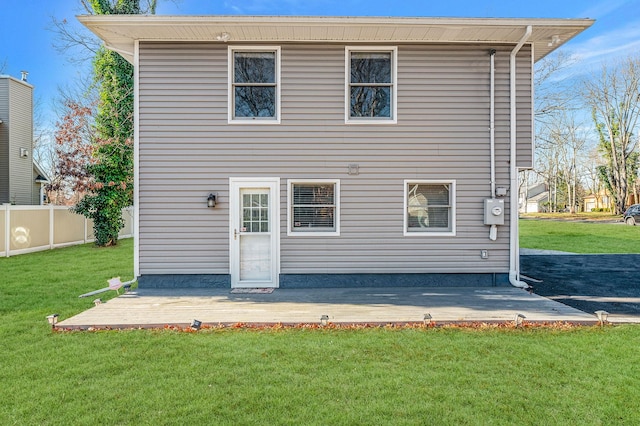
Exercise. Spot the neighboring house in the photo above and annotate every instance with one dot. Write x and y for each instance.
(338, 151)
(601, 200)
(21, 179)
(536, 199)
(40, 182)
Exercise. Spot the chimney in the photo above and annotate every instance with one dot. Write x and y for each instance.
(24, 75)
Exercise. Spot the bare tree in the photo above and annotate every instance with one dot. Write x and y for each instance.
(43, 150)
(593, 181)
(569, 135)
(548, 168)
(614, 97)
(75, 41)
(553, 93)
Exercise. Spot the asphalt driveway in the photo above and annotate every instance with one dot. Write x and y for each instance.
(592, 282)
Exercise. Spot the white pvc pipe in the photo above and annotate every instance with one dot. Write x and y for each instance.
(493, 231)
(514, 240)
(492, 121)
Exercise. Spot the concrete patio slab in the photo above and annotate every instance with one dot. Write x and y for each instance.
(159, 307)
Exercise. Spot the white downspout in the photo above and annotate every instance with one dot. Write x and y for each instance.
(493, 232)
(514, 240)
(136, 160)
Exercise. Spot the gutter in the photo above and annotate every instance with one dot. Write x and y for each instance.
(514, 239)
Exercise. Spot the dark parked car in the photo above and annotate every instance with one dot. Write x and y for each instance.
(632, 215)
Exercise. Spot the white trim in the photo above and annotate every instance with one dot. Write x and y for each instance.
(292, 233)
(121, 52)
(230, 104)
(235, 183)
(394, 85)
(533, 109)
(51, 226)
(136, 160)
(7, 229)
(453, 197)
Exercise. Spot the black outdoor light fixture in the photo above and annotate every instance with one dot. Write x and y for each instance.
(195, 324)
(211, 199)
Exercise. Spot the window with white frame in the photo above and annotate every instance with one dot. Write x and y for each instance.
(371, 84)
(254, 86)
(429, 207)
(314, 207)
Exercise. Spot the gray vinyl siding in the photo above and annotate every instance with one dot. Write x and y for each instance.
(524, 96)
(4, 140)
(16, 112)
(187, 149)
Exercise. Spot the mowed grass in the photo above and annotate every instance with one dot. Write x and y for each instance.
(584, 375)
(579, 237)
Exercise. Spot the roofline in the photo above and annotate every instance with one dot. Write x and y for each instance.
(337, 20)
(41, 172)
(9, 77)
(120, 32)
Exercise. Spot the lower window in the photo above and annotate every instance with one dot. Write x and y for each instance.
(429, 208)
(314, 207)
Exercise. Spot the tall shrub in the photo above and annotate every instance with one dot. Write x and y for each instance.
(112, 170)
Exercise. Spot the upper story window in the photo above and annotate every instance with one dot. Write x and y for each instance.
(254, 88)
(371, 95)
(429, 208)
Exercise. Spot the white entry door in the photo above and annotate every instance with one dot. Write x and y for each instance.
(254, 233)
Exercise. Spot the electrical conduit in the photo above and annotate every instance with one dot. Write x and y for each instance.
(493, 231)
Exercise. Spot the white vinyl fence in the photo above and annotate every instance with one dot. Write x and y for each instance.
(25, 229)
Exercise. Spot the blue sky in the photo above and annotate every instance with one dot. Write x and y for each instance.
(26, 43)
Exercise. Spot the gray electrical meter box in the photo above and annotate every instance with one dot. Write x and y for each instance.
(493, 211)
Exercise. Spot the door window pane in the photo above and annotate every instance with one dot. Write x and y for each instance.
(255, 212)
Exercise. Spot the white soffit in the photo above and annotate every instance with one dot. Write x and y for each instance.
(119, 32)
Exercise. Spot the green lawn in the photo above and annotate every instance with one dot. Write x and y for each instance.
(579, 237)
(586, 376)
